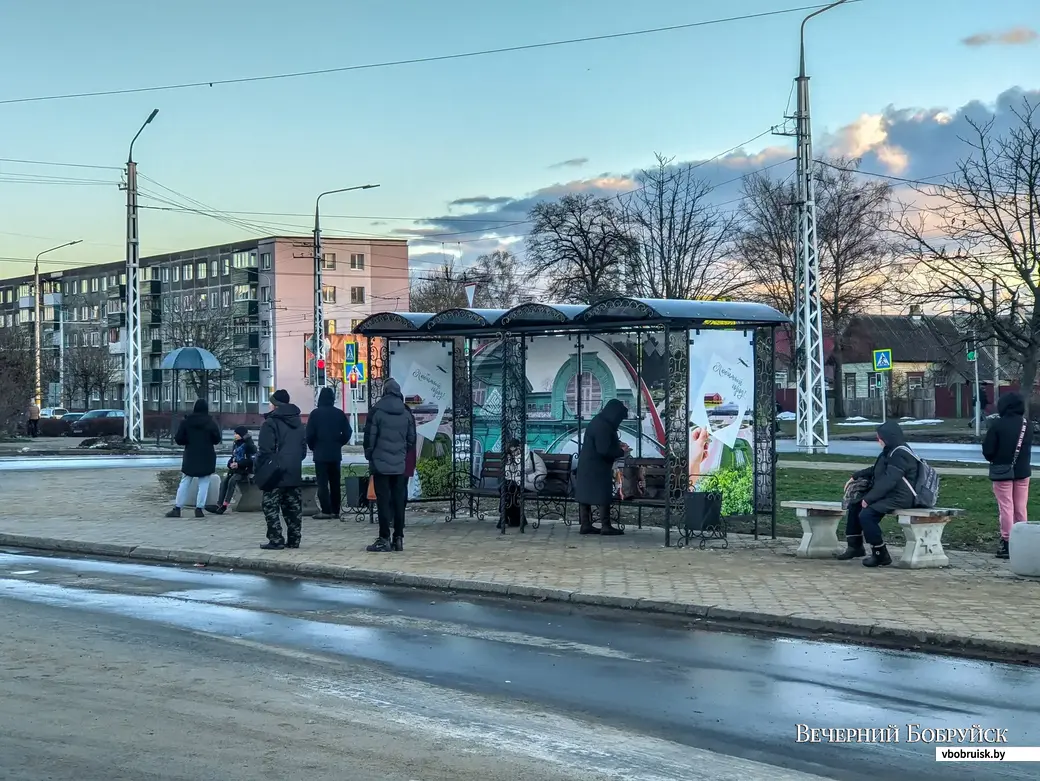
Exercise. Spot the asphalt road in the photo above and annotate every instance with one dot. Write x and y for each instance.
(936, 451)
(124, 671)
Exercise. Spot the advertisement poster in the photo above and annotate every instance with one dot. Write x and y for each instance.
(722, 383)
(423, 370)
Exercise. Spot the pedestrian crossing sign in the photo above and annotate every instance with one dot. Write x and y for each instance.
(882, 360)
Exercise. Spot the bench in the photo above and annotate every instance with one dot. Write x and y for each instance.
(486, 485)
(551, 498)
(922, 528)
(249, 498)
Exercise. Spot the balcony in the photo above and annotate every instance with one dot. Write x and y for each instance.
(246, 309)
(117, 348)
(151, 287)
(248, 341)
(117, 292)
(26, 302)
(152, 318)
(117, 319)
(52, 299)
(155, 348)
(244, 276)
(248, 375)
(153, 376)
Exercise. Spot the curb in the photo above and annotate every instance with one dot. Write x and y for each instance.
(865, 633)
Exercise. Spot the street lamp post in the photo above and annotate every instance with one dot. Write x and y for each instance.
(38, 316)
(133, 399)
(319, 353)
(812, 382)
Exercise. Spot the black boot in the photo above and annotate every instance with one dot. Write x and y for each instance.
(854, 549)
(878, 557)
(174, 513)
(398, 543)
(1003, 552)
(199, 513)
(588, 528)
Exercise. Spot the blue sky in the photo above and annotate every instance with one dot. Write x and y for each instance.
(434, 133)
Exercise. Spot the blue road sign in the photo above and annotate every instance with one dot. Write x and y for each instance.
(882, 360)
(358, 368)
(350, 351)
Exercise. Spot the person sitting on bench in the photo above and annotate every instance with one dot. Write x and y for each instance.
(240, 466)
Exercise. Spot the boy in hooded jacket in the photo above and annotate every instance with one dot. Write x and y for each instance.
(199, 435)
(279, 471)
(892, 478)
(239, 467)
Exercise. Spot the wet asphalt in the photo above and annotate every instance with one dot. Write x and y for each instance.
(735, 695)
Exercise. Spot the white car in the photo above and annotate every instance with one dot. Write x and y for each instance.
(53, 412)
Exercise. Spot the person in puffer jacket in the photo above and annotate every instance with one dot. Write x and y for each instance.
(389, 435)
(891, 488)
(239, 466)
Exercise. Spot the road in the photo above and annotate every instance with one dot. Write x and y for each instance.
(123, 671)
(936, 451)
(53, 463)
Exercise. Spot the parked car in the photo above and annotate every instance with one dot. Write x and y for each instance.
(53, 412)
(99, 423)
(54, 427)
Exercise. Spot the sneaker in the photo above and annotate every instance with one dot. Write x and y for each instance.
(1003, 552)
(379, 546)
(199, 513)
(273, 546)
(174, 513)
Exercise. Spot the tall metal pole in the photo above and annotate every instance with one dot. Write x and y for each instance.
(978, 388)
(133, 398)
(319, 351)
(996, 350)
(38, 316)
(60, 312)
(812, 381)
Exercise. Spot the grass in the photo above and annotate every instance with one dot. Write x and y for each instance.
(954, 429)
(977, 529)
(862, 461)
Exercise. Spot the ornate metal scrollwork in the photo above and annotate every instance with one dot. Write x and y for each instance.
(677, 427)
(765, 429)
(541, 312)
(514, 422)
(615, 307)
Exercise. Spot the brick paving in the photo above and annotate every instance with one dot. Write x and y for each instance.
(975, 601)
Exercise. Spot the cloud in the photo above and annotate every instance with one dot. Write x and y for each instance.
(1016, 36)
(574, 162)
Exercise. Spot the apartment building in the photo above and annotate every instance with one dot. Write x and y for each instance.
(252, 299)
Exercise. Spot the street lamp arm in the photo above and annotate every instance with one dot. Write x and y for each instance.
(342, 190)
(801, 48)
(147, 122)
(60, 246)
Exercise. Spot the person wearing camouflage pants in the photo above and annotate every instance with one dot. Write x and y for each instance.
(279, 471)
(289, 501)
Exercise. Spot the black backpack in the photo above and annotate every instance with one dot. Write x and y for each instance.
(926, 487)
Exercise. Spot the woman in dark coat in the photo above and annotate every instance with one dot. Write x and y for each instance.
(1008, 443)
(199, 435)
(891, 480)
(600, 448)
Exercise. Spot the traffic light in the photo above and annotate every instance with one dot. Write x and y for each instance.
(353, 381)
(319, 373)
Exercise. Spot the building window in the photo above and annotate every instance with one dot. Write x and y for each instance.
(225, 266)
(850, 385)
(780, 379)
(176, 273)
(245, 292)
(915, 385)
(187, 272)
(165, 273)
(479, 393)
(122, 279)
(265, 360)
(265, 328)
(265, 261)
(355, 323)
(95, 285)
(591, 395)
(265, 294)
(328, 294)
(328, 261)
(203, 300)
(244, 260)
(201, 270)
(225, 298)
(104, 280)
(357, 261)
(95, 338)
(95, 313)
(187, 303)
(252, 394)
(213, 268)
(357, 295)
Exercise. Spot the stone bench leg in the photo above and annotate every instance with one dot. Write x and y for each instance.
(819, 535)
(248, 499)
(924, 549)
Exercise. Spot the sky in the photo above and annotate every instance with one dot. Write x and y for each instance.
(460, 147)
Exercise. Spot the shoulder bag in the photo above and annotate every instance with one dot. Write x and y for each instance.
(1000, 473)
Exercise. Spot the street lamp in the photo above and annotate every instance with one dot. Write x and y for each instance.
(37, 314)
(133, 400)
(320, 373)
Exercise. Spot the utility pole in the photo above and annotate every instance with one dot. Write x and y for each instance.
(978, 388)
(133, 397)
(319, 374)
(38, 320)
(996, 349)
(812, 380)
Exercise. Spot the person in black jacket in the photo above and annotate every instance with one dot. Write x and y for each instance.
(199, 435)
(594, 485)
(1009, 443)
(389, 435)
(891, 488)
(239, 467)
(328, 430)
(279, 471)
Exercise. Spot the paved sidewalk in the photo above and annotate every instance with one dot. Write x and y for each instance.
(976, 605)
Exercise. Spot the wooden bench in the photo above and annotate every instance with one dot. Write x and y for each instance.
(249, 498)
(553, 492)
(922, 528)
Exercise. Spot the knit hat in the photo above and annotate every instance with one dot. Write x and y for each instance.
(242, 431)
(280, 397)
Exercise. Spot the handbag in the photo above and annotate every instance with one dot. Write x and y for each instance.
(1005, 472)
(268, 475)
(855, 491)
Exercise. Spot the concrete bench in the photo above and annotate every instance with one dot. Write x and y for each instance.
(922, 528)
(248, 498)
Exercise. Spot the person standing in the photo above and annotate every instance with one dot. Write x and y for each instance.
(389, 435)
(1007, 447)
(239, 466)
(279, 471)
(34, 421)
(600, 448)
(199, 435)
(328, 430)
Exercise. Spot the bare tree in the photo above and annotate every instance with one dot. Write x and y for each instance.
(441, 289)
(856, 250)
(499, 281)
(200, 324)
(985, 232)
(17, 376)
(91, 370)
(579, 245)
(682, 239)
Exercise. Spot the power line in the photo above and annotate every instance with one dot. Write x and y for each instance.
(62, 165)
(418, 60)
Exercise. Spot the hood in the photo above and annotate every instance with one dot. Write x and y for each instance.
(197, 419)
(615, 412)
(1011, 404)
(289, 414)
(327, 397)
(891, 434)
(201, 407)
(392, 401)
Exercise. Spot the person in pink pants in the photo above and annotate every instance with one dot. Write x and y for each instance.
(1007, 447)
